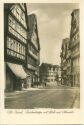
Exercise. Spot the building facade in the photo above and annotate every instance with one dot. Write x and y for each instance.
(75, 48)
(66, 62)
(15, 44)
(49, 74)
(33, 51)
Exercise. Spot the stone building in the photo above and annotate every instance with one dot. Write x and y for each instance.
(49, 74)
(75, 47)
(15, 42)
(33, 51)
(66, 62)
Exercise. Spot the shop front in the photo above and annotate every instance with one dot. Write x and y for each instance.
(15, 77)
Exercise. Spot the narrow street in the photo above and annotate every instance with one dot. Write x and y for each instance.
(30, 63)
(60, 98)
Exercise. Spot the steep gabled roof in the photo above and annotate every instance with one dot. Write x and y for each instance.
(32, 22)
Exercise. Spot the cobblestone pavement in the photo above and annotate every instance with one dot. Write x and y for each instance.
(60, 98)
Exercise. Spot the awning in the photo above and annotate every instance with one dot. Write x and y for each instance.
(17, 70)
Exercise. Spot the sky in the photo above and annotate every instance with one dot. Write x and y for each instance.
(54, 24)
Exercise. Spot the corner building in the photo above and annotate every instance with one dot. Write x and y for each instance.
(49, 74)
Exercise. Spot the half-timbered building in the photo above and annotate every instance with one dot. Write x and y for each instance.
(15, 44)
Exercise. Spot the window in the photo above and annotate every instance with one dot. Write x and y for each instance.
(11, 45)
(14, 45)
(16, 27)
(24, 50)
(19, 48)
(8, 42)
(20, 15)
(17, 35)
(10, 20)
